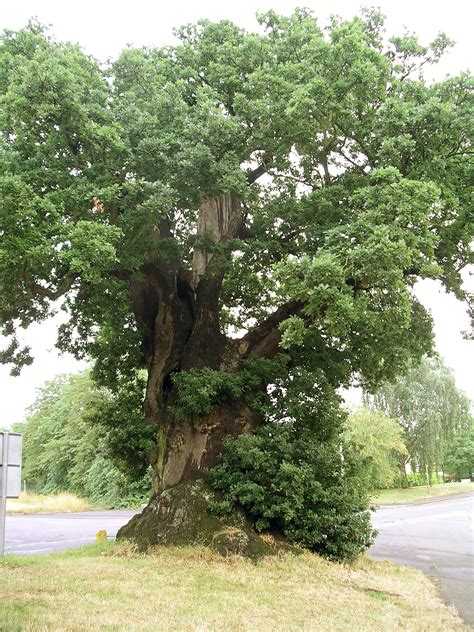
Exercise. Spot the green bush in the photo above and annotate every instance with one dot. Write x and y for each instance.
(417, 479)
(291, 482)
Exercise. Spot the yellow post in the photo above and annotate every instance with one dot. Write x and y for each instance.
(101, 536)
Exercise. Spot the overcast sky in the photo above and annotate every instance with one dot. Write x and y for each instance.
(103, 28)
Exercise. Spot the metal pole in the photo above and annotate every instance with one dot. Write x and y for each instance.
(3, 495)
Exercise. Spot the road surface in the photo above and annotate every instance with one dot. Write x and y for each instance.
(437, 538)
(44, 533)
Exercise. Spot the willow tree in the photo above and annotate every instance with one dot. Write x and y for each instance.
(236, 202)
(430, 410)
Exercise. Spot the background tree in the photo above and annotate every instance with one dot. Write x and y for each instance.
(66, 449)
(430, 409)
(459, 457)
(135, 191)
(378, 440)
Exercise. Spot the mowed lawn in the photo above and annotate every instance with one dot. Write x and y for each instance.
(400, 496)
(109, 587)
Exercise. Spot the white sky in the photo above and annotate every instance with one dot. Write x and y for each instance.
(103, 28)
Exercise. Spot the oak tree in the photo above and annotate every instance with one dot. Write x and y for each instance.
(231, 213)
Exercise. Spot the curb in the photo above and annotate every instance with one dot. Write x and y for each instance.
(425, 501)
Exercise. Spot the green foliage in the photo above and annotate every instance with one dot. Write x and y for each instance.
(429, 408)
(200, 390)
(417, 479)
(293, 482)
(65, 449)
(367, 189)
(295, 475)
(105, 484)
(459, 457)
(378, 441)
(128, 440)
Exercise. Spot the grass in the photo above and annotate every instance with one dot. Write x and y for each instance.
(54, 503)
(109, 587)
(399, 496)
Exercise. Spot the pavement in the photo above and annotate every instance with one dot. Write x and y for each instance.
(437, 538)
(28, 534)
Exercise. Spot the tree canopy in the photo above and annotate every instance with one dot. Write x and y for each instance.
(459, 457)
(367, 184)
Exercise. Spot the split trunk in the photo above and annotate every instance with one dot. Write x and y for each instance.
(178, 313)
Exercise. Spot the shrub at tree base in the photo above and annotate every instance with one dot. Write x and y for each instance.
(300, 486)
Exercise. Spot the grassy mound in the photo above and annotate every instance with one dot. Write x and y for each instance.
(181, 515)
(111, 587)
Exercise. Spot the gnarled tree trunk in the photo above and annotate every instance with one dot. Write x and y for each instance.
(178, 312)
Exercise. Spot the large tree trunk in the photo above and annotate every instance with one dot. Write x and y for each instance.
(178, 313)
(193, 445)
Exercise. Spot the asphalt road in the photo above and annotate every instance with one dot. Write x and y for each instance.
(437, 538)
(44, 533)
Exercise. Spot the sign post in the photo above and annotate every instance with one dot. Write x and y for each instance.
(10, 475)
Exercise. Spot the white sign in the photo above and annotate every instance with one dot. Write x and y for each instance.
(10, 455)
(10, 476)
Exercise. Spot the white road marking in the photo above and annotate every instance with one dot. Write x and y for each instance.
(51, 542)
(395, 523)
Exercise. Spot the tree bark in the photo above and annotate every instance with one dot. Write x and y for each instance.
(178, 313)
(192, 445)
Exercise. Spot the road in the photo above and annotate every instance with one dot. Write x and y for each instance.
(44, 533)
(437, 538)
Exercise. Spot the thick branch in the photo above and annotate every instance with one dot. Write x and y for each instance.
(46, 292)
(254, 175)
(264, 339)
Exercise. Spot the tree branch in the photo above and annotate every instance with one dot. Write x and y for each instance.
(254, 175)
(46, 292)
(264, 339)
